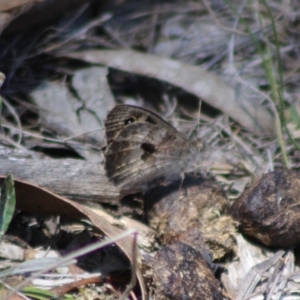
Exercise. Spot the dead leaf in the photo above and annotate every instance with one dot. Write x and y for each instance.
(36, 200)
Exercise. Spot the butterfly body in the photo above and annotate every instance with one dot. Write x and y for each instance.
(143, 149)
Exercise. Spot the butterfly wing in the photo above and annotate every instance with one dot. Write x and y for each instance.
(123, 115)
(142, 149)
(143, 154)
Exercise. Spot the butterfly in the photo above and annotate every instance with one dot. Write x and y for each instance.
(144, 150)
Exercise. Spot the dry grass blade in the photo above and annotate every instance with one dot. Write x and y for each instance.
(2, 78)
(68, 258)
(254, 276)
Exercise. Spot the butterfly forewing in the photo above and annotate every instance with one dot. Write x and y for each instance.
(122, 115)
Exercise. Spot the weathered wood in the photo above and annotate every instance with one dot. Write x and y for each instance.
(72, 178)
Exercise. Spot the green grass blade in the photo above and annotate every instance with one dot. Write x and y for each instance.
(40, 294)
(7, 204)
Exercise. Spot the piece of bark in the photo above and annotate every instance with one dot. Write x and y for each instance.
(72, 178)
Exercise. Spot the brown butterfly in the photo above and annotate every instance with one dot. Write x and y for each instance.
(142, 149)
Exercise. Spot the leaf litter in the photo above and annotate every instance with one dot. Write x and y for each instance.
(215, 37)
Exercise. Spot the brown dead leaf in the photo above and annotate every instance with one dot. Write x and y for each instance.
(37, 200)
